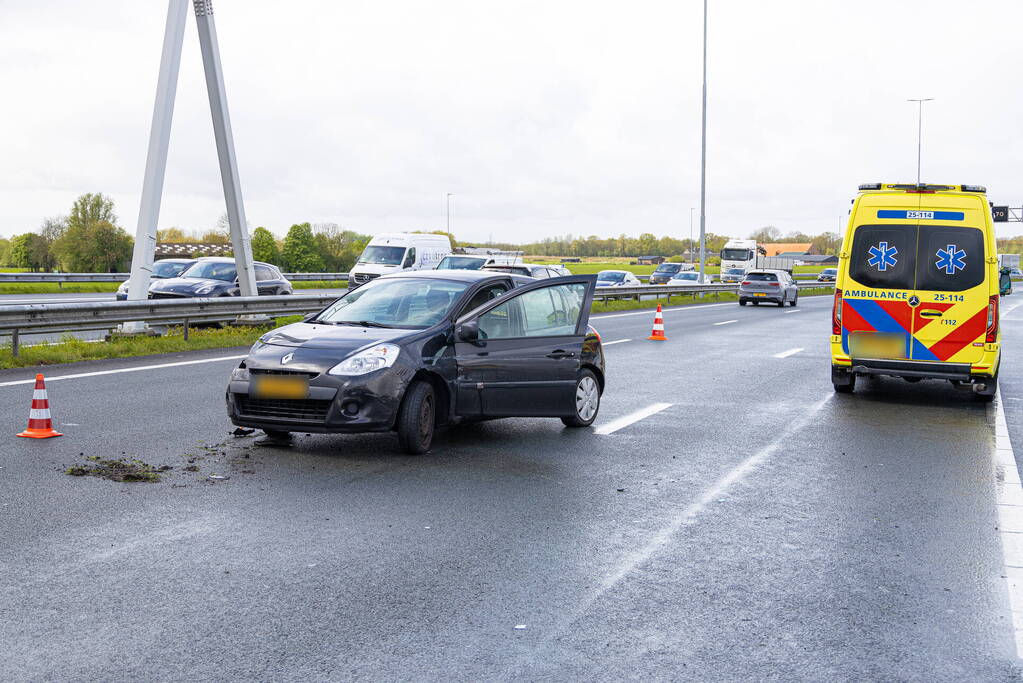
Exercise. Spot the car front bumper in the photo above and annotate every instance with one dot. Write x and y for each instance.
(334, 405)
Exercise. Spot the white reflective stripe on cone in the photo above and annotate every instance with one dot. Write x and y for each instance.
(39, 414)
(38, 394)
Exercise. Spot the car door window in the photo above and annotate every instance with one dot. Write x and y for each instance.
(410, 257)
(545, 312)
(263, 273)
(483, 296)
(949, 258)
(884, 256)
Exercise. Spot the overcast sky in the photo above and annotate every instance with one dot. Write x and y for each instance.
(544, 118)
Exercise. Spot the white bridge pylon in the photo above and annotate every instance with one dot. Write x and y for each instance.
(159, 140)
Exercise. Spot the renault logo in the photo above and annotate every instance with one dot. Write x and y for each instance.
(287, 359)
(914, 301)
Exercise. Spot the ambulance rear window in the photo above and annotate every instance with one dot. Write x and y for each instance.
(884, 256)
(949, 258)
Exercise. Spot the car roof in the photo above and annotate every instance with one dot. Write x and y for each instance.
(174, 260)
(453, 275)
(772, 271)
(227, 259)
(615, 271)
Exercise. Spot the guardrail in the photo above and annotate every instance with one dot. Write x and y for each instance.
(639, 291)
(103, 315)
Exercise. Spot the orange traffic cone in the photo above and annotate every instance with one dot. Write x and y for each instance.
(40, 426)
(658, 332)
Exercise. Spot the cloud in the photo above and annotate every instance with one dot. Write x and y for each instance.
(542, 117)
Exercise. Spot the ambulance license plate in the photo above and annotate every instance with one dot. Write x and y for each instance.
(877, 345)
(281, 387)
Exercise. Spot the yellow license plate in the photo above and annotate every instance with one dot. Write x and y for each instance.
(281, 387)
(873, 345)
(759, 294)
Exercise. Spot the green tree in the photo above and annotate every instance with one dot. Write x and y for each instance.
(5, 252)
(99, 247)
(264, 246)
(299, 254)
(88, 209)
(29, 251)
(172, 236)
(766, 235)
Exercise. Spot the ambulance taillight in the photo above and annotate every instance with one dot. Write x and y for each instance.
(836, 313)
(991, 335)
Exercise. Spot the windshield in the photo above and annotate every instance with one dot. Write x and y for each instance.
(735, 254)
(610, 276)
(461, 263)
(668, 268)
(401, 302)
(388, 256)
(762, 277)
(687, 276)
(829, 271)
(165, 269)
(212, 270)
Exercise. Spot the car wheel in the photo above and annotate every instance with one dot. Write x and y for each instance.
(844, 382)
(794, 301)
(277, 436)
(587, 401)
(415, 423)
(742, 302)
(283, 292)
(755, 302)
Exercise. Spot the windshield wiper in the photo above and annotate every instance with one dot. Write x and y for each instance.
(358, 323)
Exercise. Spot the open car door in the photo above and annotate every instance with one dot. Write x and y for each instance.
(519, 354)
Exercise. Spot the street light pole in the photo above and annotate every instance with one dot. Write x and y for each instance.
(448, 198)
(703, 156)
(919, 131)
(691, 210)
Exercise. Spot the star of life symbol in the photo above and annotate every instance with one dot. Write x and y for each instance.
(951, 259)
(882, 256)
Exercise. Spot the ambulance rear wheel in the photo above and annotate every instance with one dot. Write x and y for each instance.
(843, 381)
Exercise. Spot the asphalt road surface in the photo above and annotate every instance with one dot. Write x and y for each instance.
(728, 517)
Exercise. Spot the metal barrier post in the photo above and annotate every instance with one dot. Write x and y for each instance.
(14, 343)
(186, 329)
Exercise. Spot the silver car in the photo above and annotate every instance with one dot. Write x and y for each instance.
(732, 274)
(768, 285)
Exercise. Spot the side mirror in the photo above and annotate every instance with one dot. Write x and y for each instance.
(468, 331)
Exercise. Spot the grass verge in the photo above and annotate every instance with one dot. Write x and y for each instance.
(71, 349)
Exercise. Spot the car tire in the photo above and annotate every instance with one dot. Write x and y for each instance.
(781, 302)
(843, 382)
(587, 400)
(742, 302)
(794, 301)
(416, 417)
(278, 435)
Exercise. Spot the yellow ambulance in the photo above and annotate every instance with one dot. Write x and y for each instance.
(917, 289)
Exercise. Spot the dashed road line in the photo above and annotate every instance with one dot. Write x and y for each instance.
(616, 341)
(786, 354)
(116, 371)
(726, 322)
(631, 418)
(794, 310)
(1009, 498)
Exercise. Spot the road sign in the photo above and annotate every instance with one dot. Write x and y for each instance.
(1000, 214)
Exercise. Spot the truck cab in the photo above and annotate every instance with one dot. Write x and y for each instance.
(395, 252)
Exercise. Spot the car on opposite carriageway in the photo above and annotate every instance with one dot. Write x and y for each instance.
(533, 270)
(412, 351)
(217, 276)
(162, 269)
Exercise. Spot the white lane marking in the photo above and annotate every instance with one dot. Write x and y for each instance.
(718, 489)
(615, 425)
(794, 310)
(649, 311)
(1008, 311)
(726, 322)
(786, 354)
(616, 341)
(1009, 498)
(120, 370)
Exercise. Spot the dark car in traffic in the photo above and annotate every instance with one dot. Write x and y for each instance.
(413, 351)
(162, 269)
(667, 270)
(827, 275)
(217, 276)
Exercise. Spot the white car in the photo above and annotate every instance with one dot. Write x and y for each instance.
(688, 279)
(617, 278)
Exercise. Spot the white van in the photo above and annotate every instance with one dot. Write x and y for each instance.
(395, 252)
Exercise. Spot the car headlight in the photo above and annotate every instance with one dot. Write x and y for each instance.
(205, 289)
(374, 358)
(240, 374)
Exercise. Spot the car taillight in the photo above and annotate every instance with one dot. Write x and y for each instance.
(992, 320)
(836, 313)
(746, 282)
(773, 284)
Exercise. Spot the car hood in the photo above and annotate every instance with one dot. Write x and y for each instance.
(344, 339)
(185, 284)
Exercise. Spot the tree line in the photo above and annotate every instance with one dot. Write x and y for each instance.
(89, 240)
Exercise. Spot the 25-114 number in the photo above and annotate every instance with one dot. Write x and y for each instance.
(949, 297)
